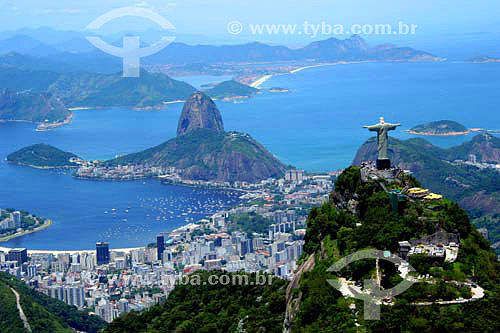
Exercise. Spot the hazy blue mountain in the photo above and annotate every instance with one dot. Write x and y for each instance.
(26, 79)
(79, 53)
(332, 49)
(26, 45)
(46, 35)
(27, 62)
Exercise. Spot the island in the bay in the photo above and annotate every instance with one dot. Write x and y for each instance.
(15, 223)
(440, 128)
(202, 151)
(231, 90)
(43, 156)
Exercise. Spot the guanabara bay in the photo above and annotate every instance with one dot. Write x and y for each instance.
(249, 167)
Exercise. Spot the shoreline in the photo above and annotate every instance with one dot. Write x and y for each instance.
(257, 83)
(42, 167)
(260, 81)
(293, 71)
(44, 127)
(47, 224)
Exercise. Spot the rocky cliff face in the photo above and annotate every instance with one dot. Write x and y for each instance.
(199, 111)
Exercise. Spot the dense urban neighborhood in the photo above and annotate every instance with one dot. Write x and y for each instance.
(265, 235)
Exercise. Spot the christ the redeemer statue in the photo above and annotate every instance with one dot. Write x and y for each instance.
(382, 129)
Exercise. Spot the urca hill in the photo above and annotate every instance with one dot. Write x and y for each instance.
(202, 149)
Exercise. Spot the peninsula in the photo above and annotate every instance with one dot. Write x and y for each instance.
(15, 223)
(440, 128)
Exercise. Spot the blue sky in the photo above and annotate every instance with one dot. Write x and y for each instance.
(463, 23)
(211, 16)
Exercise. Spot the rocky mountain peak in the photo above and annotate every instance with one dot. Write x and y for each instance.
(199, 111)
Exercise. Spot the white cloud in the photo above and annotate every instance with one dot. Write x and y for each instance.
(71, 10)
(144, 4)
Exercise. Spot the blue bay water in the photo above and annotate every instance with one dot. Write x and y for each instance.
(317, 127)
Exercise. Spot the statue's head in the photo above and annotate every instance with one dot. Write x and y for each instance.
(382, 121)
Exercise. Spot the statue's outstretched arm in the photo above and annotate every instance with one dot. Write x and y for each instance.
(373, 128)
(393, 126)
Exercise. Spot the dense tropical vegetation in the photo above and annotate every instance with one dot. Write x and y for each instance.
(231, 89)
(206, 307)
(333, 233)
(249, 223)
(43, 156)
(440, 127)
(44, 314)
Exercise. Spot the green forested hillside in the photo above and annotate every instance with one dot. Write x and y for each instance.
(441, 127)
(43, 156)
(432, 165)
(231, 89)
(44, 314)
(28, 94)
(249, 223)
(212, 308)
(93, 90)
(31, 106)
(10, 322)
(211, 155)
(333, 233)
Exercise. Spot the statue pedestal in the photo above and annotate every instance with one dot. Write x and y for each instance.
(383, 164)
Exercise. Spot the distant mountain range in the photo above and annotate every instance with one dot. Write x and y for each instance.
(78, 50)
(354, 48)
(33, 63)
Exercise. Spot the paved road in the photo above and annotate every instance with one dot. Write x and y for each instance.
(21, 312)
